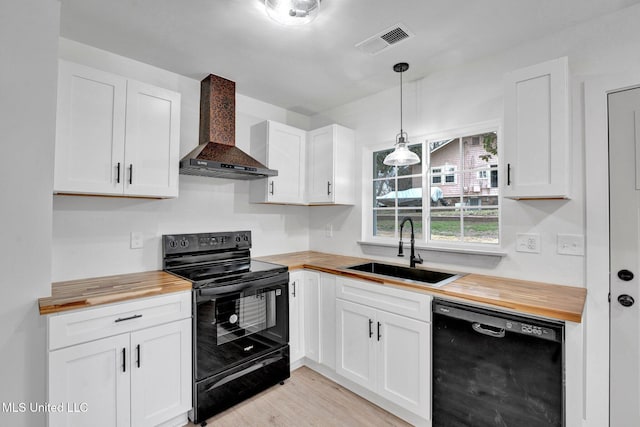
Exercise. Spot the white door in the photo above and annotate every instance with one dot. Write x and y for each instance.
(95, 377)
(320, 165)
(624, 188)
(89, 131)
(328, 320)
(403, 361)
(356, 345)
(296, 325)
(286, 154)
(312, 315)
(160, 373)
(152, 141)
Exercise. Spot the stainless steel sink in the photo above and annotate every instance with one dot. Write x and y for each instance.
(429, 277)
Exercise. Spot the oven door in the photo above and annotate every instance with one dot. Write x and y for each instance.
(239, 321)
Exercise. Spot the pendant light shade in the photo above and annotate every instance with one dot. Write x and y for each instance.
(401, 155)
(292, 12)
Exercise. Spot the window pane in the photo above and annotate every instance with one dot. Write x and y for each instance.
(445, 154)
(380, 170)
(416, 217)
(410, 191)
(478, 191)
(384, 222)
(481, 225)
(413, 169)
(384, 193)
(480, 151)
(445, 224)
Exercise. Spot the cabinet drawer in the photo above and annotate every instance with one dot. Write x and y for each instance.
(393, 300)
(80, 326)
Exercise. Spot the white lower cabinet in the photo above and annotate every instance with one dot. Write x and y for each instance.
(385, 352)
(140, 376)
(296, 317)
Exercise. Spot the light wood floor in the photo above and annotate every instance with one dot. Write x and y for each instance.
(306, 399)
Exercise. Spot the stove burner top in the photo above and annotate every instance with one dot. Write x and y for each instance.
(214, 259)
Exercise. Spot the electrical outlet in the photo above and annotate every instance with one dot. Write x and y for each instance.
(571, 244)
(328, 230)
(528, 242)
(137, 241)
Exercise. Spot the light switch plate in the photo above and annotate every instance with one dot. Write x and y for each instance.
(571, 244)
(528, 242)
(137, 241)
(328, 230)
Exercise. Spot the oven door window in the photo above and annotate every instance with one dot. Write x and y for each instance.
(234, 327)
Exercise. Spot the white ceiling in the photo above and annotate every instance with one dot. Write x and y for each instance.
(312, 68)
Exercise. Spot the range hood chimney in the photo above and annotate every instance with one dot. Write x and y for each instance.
(217, 154)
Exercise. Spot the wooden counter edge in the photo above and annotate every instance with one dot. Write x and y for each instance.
(138, 289)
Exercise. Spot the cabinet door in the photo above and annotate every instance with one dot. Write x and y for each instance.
(536, 131)
(296, 324)
(320, 163)
(355, 343)
(152, 141)
(160, 373)
(404, 362)
(89, 150)
(312, 315)
(327, 320)
(95, 377)
(286, 154)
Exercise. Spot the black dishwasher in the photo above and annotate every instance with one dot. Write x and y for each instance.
(496, 369)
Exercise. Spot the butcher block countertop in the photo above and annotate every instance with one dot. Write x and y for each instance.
(535, 298)
(85, 293)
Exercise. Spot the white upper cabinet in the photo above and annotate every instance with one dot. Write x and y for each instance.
(536, 132)
(279, 147)
(330, 165)
(115, 136)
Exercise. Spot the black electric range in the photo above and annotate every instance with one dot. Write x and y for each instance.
(240, 317)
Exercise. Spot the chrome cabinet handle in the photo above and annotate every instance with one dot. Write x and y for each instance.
(271, 191)
(328, 188)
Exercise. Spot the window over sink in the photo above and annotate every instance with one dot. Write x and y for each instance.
(459, 173)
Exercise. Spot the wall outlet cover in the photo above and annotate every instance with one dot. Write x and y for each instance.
(137, 241)
(571, 244)
(528, 242)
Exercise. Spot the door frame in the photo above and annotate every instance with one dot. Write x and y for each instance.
(596, 317)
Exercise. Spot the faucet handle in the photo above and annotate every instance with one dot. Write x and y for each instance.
(418, 259)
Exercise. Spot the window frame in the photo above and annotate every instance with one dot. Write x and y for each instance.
(425, 241)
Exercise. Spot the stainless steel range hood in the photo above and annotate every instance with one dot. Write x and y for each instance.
(217, 155)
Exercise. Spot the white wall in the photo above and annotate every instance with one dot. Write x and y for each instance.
(91, 234)
(28, 48)
(474, 93)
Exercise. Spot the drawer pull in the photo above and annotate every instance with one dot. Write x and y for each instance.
(122, 319)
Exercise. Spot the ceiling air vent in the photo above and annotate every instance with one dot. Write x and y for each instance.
(379, 42)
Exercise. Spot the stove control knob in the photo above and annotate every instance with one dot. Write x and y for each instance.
(246, 238)
(173, 244)
(237, 238)
(184, 243)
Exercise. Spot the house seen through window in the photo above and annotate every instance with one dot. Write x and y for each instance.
(461, 181)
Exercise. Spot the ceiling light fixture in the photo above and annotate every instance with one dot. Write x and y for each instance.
(401, 155)
(292, 12)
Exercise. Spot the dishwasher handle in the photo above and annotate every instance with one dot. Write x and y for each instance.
(488, 330)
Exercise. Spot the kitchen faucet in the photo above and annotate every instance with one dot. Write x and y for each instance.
(413, 260)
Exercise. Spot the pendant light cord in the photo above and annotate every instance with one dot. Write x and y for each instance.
(401, 131)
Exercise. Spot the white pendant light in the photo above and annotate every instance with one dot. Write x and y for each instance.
(401, 155)
(292, 12)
